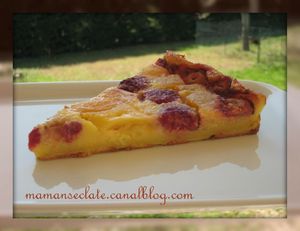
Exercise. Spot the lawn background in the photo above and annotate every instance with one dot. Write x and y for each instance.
(120, 63)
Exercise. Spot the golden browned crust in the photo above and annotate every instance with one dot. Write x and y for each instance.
(72, 155)
(250, 132)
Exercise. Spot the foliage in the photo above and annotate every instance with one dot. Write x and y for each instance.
(48, 34)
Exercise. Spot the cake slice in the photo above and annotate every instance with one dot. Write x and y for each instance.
(172, 101)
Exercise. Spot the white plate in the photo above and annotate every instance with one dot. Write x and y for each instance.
(233, 171)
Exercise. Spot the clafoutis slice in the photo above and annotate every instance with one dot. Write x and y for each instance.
(172, 101)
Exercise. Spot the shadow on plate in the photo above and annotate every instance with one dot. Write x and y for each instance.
(134, 164)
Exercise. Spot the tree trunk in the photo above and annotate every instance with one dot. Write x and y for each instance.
(245, 31)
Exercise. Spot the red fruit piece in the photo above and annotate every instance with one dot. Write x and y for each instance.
(179, 117)
(34, 138)
(161, 62)
(235, 107)
(134, 84)
(220, 85)
(195, 77)
(70, 130)
(160, 95)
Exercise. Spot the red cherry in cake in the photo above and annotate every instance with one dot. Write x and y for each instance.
(70, 130)
(34, 138)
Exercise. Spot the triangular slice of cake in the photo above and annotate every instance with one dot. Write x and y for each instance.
(172, 101)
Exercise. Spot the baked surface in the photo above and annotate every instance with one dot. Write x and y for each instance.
(172, 101)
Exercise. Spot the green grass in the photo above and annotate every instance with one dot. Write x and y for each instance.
(270, 212)
(269, 74)
(120, 63)
(246, 213)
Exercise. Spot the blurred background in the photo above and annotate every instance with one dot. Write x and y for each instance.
(293, 221)
(65, 47)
